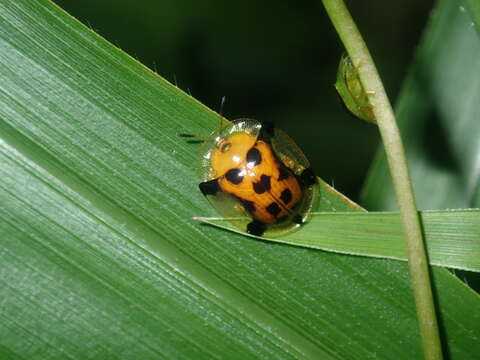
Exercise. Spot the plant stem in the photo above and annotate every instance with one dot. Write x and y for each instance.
(474, 10)
(417, 259)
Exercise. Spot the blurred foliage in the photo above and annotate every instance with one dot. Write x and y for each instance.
(273, 60)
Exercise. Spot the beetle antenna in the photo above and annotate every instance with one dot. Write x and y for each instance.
(220, 113)
(195, 138)
(204, 138)
(187, 135)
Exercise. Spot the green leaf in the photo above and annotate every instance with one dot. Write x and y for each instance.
(100, 258)
(452, 236)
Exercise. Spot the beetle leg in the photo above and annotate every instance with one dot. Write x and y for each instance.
(209, 187)
(256, 227)
(307, 177)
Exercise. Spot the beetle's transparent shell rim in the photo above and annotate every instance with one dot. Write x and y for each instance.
(286, 151)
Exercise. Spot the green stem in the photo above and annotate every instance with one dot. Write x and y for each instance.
(474, 10)
(417, 259)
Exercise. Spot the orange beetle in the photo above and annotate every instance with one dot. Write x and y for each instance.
(250, 168)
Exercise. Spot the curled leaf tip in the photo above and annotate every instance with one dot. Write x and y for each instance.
(351, 91)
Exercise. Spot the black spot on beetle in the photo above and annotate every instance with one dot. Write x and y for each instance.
(265, 180)
(258, 188)
(284, 172)
(286, 196)
(248, 205)
(209, 187)
(254, 156)
(263, 185)
(233, 175)
(273, 209)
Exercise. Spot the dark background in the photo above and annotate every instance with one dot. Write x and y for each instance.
(273, 60)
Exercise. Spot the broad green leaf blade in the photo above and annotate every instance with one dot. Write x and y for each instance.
(452, 236)
(438, 113)
(100, 258)
(69, 268)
